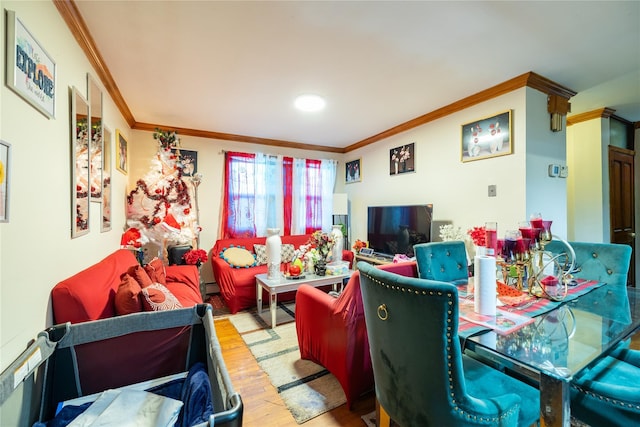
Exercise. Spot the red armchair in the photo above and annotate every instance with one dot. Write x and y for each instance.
(332, 331)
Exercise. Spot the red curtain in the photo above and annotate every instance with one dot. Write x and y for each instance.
(313, 196)
(287, 184)
(235, 206)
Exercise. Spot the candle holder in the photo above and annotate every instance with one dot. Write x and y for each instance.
(527, 266)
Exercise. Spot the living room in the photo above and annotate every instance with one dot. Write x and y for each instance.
(458, 190)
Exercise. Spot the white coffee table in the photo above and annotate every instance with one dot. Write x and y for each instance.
(282, 284)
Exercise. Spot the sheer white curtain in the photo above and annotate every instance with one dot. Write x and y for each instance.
(328, 169)
(268, 195)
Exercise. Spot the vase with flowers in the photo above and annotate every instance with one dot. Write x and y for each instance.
(195, 257)
(479, 237)
(359, 244)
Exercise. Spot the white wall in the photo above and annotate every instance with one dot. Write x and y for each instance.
(36, 249)
(545, 194)
(588, 204)
(459, 191)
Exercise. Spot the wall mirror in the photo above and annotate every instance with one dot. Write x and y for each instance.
(80, 158)
(95, 143)
(106, 180)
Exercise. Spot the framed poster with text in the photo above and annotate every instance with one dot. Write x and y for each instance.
(31, 73)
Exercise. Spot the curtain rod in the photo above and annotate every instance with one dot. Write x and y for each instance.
(274, 155)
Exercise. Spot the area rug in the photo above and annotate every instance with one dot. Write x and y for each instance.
(369, 419)
(306, 388)
(220, 309)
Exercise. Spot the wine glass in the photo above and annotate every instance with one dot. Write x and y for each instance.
(545, 234)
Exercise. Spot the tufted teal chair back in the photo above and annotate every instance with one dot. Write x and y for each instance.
(604, 262)
(442, 261)
(421, 376)
(606, 393)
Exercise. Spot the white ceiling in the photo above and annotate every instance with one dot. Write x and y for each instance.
(235, 66)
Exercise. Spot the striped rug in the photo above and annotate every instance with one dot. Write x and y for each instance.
(306, 388)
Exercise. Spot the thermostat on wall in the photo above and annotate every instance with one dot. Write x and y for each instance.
(564, 171)
(554, 170)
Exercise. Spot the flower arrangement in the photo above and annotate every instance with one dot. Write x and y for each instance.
(359, 244)
(195, 256)
(478, 235)
(320, 245)
(449, 233)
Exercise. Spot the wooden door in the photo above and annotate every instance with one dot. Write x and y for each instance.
(622, 201)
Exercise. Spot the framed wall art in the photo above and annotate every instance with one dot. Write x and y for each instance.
(122, 153)
(353, 171)
(5, 168)
(31, 72)
(487, 137)
(189, 161)
(402, 159)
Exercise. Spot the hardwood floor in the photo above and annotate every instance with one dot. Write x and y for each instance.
(262, 404)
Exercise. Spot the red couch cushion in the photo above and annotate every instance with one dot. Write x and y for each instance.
(128, 296)
(90, 294)
(156, 297)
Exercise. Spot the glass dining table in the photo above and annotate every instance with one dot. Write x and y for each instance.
(563, 340)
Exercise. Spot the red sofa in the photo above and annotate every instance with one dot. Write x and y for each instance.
(238, 285)
(90, 294)
(332, 331)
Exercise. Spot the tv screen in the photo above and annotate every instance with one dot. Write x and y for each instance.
(395, 229)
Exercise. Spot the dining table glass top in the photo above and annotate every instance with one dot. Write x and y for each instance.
(568, 336)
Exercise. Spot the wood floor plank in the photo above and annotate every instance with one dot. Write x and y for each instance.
(263, 407)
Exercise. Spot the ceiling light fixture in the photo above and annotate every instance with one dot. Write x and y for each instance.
(309, 103)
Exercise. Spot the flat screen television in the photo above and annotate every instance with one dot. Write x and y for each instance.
(395, 229)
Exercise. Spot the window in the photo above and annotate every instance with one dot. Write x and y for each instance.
(266, 191)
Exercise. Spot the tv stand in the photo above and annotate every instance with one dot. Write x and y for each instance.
(374, 259)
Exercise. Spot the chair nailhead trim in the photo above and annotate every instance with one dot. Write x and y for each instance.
(607, 399)
(450, 341)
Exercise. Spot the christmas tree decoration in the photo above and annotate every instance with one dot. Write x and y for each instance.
(160, 204)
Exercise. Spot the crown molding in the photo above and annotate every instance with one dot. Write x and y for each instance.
(236, 138)
(71, 15)
(600, 113)
(529, 79)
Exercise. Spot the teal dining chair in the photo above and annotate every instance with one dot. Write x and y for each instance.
(608, 392)
(442, 261)
(421, 376)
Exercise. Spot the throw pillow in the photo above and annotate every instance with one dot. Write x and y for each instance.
(238, 257)
(156, 297)
(141, 276)
(156, 272)
(261, 254)
(127, 299)
(287, 252)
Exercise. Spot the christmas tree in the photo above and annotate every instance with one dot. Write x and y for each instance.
(159, 207)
